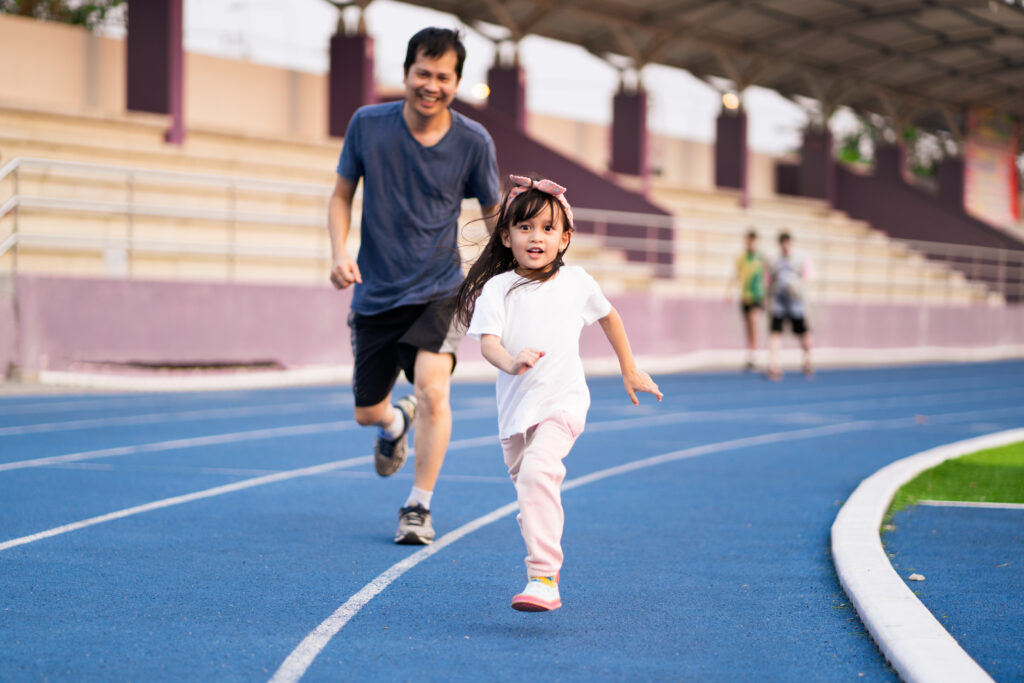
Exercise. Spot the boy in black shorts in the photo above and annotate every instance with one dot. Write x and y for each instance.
(789, 274)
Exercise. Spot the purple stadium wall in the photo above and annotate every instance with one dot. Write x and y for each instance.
(82, 324)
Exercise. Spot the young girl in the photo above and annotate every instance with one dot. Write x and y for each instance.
(527, 309)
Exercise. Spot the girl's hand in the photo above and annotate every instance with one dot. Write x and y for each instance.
(526, 359)
(637, 380)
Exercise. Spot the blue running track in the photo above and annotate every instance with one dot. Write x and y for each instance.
(973, 563)
(207, 536)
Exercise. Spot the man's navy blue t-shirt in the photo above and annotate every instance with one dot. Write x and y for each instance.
(412, 197)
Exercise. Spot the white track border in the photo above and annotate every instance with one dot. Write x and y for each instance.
(911, 638)
(479, 370)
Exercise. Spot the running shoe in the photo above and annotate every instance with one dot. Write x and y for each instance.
(414, 526)
(540, 595)
(389, 454)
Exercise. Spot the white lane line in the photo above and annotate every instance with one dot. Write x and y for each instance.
(300, 659)
(971, 504)
(103, 402)
(459, 444)
(908, 634)
(215, 439)
(187, 498)
(177, 416)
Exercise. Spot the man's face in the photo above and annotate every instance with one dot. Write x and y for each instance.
(431, 83)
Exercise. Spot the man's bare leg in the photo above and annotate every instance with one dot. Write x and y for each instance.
(433, 416)
(433, 430)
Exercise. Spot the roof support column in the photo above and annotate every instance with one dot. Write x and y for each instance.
(731, 149)
(507, 83)
(155, 62)
(817, 165)
(629, 131)
(950, 174)
(350, 82)
(950, 171)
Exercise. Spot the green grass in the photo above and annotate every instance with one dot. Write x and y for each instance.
(991, 476)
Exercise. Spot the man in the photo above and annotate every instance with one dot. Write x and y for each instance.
(790, 272)
(418, 159)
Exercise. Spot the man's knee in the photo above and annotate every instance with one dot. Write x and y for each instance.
(432, 396)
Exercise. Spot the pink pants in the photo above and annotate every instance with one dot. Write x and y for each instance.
(534, 461)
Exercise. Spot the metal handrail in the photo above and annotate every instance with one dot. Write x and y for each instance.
(161, 247)
(291, 187)
(158, 211)
(834, 249)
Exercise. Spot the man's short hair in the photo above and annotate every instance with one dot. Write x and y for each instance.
(751, 234)
(784, 237)
(434, 43)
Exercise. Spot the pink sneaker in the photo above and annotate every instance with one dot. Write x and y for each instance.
(540, 595)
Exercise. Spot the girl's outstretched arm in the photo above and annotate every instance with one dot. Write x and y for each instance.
(496, 355)
(633, 377)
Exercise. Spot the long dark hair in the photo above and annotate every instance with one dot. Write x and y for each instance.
(496, 258)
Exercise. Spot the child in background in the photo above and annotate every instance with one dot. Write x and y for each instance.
(750, 272)
(789, 275)
(528, 309)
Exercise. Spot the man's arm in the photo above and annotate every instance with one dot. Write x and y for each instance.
(344, 270)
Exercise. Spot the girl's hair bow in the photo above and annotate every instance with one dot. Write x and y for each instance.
(522, 184)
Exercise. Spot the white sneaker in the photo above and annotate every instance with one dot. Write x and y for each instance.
(540, 595)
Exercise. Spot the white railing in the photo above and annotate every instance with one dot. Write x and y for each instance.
(668, 248)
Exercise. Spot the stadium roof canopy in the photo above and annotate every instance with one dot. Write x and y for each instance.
(918, 62)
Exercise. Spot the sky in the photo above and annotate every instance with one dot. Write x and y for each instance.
(295, 34)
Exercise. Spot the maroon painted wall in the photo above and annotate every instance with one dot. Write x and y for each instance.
(893, 206)
(8, 326)
(71, 324)
(508, 93)
(155, 61)
(520, 154)
(731, 150)
(629, 133)
(350, 80)
(69, 321)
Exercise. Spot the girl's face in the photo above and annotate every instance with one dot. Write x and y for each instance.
(536, 242)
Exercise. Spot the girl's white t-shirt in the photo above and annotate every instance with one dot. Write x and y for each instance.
(546, 316)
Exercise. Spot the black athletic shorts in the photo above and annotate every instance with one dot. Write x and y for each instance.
(799, 324)
(748, 307)
(385, 344)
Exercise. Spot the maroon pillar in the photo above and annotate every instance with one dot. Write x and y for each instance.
(629, 133)
(731, 150)
(950, 174)
(350, 81)
(817, 168)
(889, 161)
(508, 93)
(155, 60)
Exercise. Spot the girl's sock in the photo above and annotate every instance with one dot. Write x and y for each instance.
(397, 426)
(419, 496)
